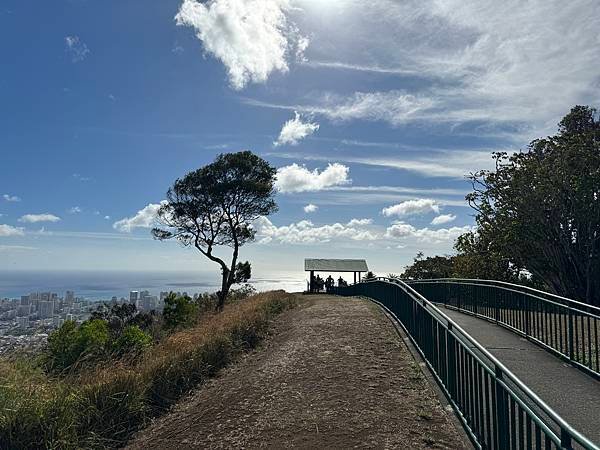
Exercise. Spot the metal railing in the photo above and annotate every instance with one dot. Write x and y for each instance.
(568, 328)
(496, 408)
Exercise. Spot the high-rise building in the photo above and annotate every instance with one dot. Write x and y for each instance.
(23, 322)
(23, 310)
(134, 296)
(46, 309)
(69, 297)
(25, 301)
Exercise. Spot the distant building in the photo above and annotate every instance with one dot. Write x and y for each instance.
(23, 322)
(69, 297)
(134, 296)
(25, 300)
(46, 309)
(23, 311)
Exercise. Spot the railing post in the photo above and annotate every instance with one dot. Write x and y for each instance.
(565, 440)
(571, 350)
(525, 309)
(502, 431)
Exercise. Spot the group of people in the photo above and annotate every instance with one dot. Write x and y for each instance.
(320, 284)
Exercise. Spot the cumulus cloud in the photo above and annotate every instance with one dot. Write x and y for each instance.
(403, 230)
(411, 208)
(11, 198)
(252, 38)
(295, 178)
(76, 48)
(144, 218)
(294, 130)
(305, 232)
(75, 210)
(35, 218)
(310, 208)
(443, 218)
(7, 230)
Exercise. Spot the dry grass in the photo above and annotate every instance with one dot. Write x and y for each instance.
(102, 407)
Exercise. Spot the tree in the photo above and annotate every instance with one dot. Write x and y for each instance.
(540, 209)
(179, 310)
(369, 276)
(215, 206)
(428, 268)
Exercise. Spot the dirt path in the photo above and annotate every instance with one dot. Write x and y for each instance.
(334, 374)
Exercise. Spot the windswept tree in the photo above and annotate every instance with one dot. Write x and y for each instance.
(540, 209)
(215, 206)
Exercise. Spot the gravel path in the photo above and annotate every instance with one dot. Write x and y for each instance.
(333, 374)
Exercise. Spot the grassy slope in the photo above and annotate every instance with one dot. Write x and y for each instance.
(101, 408)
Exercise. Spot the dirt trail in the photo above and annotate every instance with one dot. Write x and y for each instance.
(334, 374)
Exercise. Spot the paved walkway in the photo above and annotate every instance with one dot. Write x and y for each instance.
(574, 395)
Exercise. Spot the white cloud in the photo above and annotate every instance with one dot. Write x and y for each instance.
(81, 178)
(144, 218)
(11, 198)
(403, 230)
(440, 163)
(7, 230)
(75, 210)
(252, 38)
(411, 208)
(294, 130)
(490, 61)
(295, 178)
(106, 217)
(35, 218)
(77, 48)
(305, 232)
(443, 218)
(310, 208)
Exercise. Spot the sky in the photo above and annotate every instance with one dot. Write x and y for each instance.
(372, 112)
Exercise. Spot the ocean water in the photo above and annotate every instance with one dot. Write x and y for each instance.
(102, 285)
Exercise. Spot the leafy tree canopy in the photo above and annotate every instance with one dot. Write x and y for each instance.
(215, 206)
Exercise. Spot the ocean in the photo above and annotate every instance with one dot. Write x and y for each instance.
(102, 285)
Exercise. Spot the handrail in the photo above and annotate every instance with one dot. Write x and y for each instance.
(526, 289)
(567, 328)
(494, 404)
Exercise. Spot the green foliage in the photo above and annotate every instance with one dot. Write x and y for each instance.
(215, 206)
(428, 268)
(132, 340)
(540, 210)
(121, 316)
(71, 344)
(179, 311)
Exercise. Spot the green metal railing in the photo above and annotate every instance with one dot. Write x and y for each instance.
(568, 328)
(496, 408)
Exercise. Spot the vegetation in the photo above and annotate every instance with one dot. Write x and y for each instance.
(215, 206)
(538, 216)
(179, 310)
(102, 405)
(540, 209)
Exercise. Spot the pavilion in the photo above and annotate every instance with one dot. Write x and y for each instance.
(357, 266)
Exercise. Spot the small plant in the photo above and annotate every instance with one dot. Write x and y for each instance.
(133, 340)
(179, 310)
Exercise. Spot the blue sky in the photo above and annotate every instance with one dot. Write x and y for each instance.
(373, 115)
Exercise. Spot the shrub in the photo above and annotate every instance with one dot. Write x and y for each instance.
(132, 340)
(71, 344)
(179, 310)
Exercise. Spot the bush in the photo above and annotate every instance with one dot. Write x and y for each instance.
(179, 310)
(71, 344)
(132, 340)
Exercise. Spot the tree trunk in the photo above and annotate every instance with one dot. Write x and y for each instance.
(222, 294)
